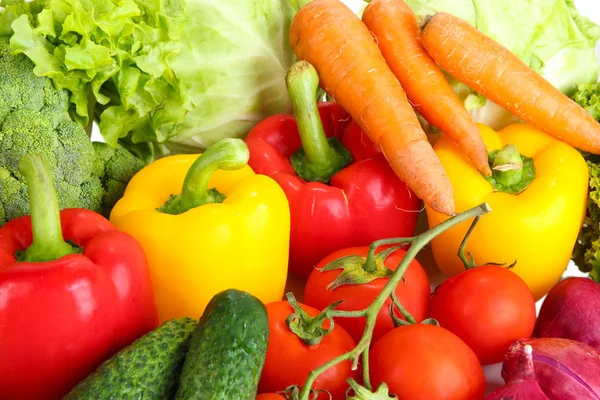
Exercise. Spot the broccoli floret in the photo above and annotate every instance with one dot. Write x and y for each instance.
(34, 118)
(115, 167)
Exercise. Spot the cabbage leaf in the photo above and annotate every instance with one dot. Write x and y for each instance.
(179, 73)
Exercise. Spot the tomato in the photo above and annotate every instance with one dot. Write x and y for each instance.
(289, 360)
(270, 396)
(488, 307)
(413, 292)
(426, 362)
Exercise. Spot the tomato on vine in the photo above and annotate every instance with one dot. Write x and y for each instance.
(488, 307)
(423, 361)
(299, 344)
(350, 275)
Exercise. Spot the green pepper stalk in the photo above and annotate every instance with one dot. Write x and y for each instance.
(48, 243)
(226, 154)
(511, 171)
(319, 158)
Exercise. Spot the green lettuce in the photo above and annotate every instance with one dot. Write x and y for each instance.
(550, 36)
(586, 254)
(179, 73)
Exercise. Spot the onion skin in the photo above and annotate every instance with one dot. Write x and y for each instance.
(522, 385)
(565, 369)
(571, 311)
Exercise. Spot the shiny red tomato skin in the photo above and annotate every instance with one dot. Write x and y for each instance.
(488, 307)
(270, 396)
(289, 360)
(413, 293)
(426, 362)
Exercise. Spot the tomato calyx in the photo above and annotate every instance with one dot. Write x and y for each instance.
(408, 318)
(359, 270)
(309, 329)
(362, 393)
(293, 393)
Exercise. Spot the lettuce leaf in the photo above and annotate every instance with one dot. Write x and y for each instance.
(179, 73)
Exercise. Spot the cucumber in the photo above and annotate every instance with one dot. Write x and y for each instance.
(227, 349)
(148, 369)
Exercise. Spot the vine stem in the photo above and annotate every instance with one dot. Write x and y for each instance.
(371, 312)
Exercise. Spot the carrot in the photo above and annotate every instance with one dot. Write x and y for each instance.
(327, 34)
(492, 70)
(398, 36)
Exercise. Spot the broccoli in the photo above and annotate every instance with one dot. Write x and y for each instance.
(34, 118)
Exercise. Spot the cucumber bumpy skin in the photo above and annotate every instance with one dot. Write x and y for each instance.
(227, 350)
(148, 369)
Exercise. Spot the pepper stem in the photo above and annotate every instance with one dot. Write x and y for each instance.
(319, 158)
(226, 154)
(508, 165)
(511, 171)
(48, 243)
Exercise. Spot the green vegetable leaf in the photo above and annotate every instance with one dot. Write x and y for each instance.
(586, 254)
(588, 97)
(181, 73)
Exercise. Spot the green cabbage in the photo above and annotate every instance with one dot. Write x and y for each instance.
(550, 36)
(179, 73)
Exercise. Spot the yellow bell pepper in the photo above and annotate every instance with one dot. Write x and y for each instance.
(536, 212)
(207, 223)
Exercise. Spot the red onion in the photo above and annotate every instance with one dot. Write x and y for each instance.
(565, 369)
(571, 311)
(522, 385)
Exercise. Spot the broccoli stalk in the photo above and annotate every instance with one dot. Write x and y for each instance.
(34, 119)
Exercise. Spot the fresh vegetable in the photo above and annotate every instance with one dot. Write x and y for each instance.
(305, 352)
(522, 385)
(165, 73)
(550, 36)
(362, 393)
(428, 362)
(270, 396)
(356, 281)
(586, 254)
(488, 307)
(564, 369)
(34, 118)
(356, 75)
(337, 198)
(395, 26)
(570, 311)
(205, 230)
(313, 331)
(502, 77)
(149, 368)
(538, 192)
(227, 349)
(73, 291)
(587, 96)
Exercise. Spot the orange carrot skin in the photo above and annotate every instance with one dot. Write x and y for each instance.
(352, 70)
(495, 72)
(398, 35)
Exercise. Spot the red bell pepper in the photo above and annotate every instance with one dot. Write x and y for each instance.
(73, 291)
(341, 190)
